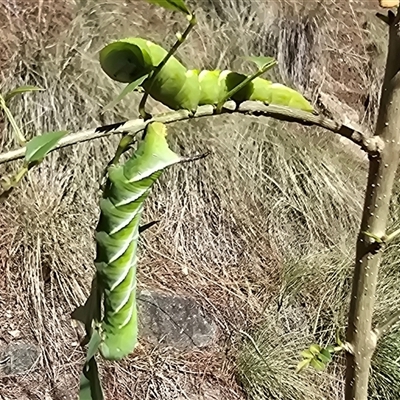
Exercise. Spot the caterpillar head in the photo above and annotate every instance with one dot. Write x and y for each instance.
(124, 62)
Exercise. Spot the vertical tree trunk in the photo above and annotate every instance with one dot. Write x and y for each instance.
(382, 171)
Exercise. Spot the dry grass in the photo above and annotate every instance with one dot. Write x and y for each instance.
(270, 216)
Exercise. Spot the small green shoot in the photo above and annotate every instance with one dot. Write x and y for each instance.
(4, 100)
(317, 357)
(18, 133)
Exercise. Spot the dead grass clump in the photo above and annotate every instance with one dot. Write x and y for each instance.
(20, 22)
(268, 360)
(46, 266)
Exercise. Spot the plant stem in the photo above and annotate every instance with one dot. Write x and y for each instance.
(172, 51)
(371, 145)
(382, 171)
(392, 236)
(8, 185)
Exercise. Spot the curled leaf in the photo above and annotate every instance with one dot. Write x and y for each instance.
(330, 349)
(324, 356)
(307, 354)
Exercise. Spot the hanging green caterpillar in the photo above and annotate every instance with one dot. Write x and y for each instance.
(117, 234)
(179, 88)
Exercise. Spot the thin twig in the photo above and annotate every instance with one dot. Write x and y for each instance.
(387, 326)
(172, 51)
(371, 145)
(245, 82)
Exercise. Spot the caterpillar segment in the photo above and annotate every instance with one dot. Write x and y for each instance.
(178, 88)
(117, 234)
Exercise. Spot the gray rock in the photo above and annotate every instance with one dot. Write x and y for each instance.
(171, 320)
(18, 358)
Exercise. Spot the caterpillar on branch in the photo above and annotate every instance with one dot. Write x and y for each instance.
(117, 233)
(178, 88)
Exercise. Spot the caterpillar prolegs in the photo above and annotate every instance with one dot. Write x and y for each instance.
(117, 235)
(175, 86)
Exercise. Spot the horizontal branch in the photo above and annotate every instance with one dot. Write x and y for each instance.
(371, 145)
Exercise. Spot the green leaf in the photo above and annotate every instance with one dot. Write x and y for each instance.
(93, 346)
(317, 365)
(90, 386)
(39, 146)
(331, 348)
(324, 356)
(262, 62)
(19, 90)
(315, 348)
(302, 365)
(129, 88)
(326, 353)
(174, 5)
(307, 354)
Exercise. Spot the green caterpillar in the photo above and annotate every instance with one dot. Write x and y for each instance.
(179, 88)
(117, 235)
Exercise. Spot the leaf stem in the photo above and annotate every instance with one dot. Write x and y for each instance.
(392, 236)
(9, 184)
(245, 82)
(172, 51)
